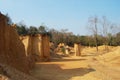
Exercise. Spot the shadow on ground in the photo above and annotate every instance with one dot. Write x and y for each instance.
(64, 60)
(55, 72)
(87, 55)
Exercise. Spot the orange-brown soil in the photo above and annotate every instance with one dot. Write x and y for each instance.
(90, 66)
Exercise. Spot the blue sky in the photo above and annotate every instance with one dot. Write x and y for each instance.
(61, 14)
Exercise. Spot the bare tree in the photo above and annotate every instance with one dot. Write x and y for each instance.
(94, 27)
(107, 28)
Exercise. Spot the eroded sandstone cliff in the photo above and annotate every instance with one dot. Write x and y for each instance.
(12, 51)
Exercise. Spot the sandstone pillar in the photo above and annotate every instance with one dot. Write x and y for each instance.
(77, 49)
(67, 50)
(45, 47)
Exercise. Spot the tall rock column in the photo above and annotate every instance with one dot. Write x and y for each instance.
(77, 49)
(45, 47)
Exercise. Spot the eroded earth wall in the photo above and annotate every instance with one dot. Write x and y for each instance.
(12, 50)
(37, 47)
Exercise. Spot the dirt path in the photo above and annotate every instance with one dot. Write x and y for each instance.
(69, 68)
(86, 67)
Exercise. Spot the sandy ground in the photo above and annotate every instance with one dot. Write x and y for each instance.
(87, 67)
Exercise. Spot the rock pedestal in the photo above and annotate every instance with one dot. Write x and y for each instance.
(77, 49)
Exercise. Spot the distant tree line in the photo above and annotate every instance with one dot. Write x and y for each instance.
(32, 30)
(104, 36)
(64, 36)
